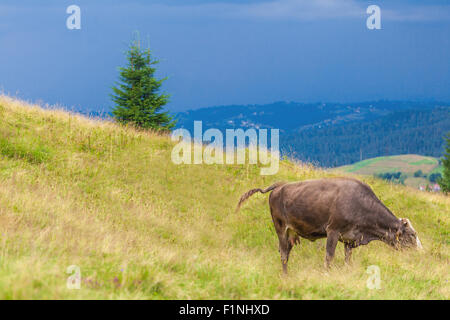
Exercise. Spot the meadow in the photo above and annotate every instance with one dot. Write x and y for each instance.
(108, 199)
(407, 164)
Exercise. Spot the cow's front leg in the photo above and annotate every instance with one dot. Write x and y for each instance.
(332, 240)
(348, 253)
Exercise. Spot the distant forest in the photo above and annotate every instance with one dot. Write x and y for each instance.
(412, 131)
(335, 134)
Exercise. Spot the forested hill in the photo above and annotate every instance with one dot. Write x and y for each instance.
(332, 134)
(405, 132)
(291, 116)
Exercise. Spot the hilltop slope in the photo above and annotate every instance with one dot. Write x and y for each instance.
(108, 199)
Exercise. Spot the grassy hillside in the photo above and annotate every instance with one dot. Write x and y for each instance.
(408, 164)
(108, 199)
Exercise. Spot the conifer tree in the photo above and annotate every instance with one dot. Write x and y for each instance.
(137, 96)
(444, 182)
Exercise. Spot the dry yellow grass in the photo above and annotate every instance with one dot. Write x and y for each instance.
(76, 191)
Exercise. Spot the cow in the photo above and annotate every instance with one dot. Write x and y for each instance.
(339, 209)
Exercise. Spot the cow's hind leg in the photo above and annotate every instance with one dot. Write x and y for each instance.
(285, 243)
(285, 249)
(287, 238)
(332, 240)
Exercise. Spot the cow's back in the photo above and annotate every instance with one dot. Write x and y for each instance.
(309, 206)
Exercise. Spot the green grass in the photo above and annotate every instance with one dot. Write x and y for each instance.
(108, 199)
(424, 161)
(439, 169)
(33, 153)
(362, 164)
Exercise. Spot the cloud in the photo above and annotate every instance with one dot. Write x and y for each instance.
(275, 10)
(330, 9)
(303, 9)
(418, 13)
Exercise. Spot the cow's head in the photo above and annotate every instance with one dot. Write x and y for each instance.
(406, 236)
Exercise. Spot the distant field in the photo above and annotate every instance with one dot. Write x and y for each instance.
(407, 164)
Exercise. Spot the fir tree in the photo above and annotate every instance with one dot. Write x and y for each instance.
(444, 182)
(137, 96)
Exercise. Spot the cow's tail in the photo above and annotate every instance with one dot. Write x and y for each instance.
(251, 192)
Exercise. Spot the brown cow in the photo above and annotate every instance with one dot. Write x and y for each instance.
(339, 209)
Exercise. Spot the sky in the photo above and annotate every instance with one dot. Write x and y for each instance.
(228, 52)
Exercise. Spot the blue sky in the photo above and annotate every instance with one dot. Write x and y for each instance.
(229, 52)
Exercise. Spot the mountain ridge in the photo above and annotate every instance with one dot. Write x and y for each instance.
(300, 124)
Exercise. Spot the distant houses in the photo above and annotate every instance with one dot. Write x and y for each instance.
(433, 188)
